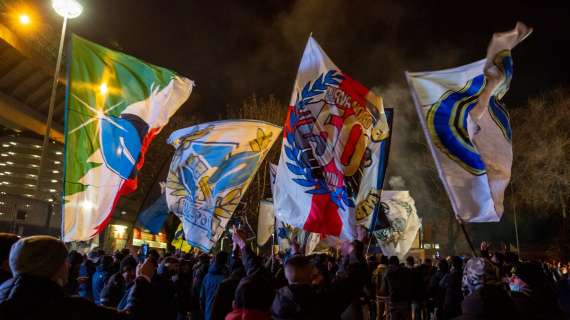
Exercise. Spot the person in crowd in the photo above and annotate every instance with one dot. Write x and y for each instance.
(41, 272)
(114, 292)
(164, 286)
(6, 242)
(398, 286)
(533, 294)
(86, 271)
(378, 277)
(75, 260)
(183, 286)
(222, 304)
(486, 297)
(436, 294)
(451, 284)
(217, 272)
(252, 299)
(103, 272)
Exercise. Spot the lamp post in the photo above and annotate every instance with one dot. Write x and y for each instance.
(68, 9)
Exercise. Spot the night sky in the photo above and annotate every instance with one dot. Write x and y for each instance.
(233, 49)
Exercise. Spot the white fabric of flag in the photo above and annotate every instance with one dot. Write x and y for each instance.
(468, 129)
(211, 169)
(395, 237)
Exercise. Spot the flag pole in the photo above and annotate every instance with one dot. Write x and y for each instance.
(52, 97)
(431, 146)
(468, 238)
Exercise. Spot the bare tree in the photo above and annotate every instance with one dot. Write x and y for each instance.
(541, 172)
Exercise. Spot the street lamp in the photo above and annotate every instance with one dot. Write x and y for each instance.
(68, 9)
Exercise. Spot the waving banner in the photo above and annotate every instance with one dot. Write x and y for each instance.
(328, 161)
(211, 169)
(468, 129)
(116, 105)
(397, 223)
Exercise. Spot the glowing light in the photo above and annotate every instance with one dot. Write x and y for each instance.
(9, 162)
(30, 185)
(103, 88)
(13, 143)
(2, 203)
(7, 172)
(4, 154)
(54, 181)
(87, 205)
(24, 19)
(11, 153)
(123, 212)
(5, 145)
(50, 200)
(33, 165)
(52, 190)
(58, 152)
(28, 195)
(55, 171)
(56, 162)
(67, 8)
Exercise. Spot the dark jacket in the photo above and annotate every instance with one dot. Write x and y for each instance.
(489, 302)
(297, 302)
(224, 297)
(216, 274)
(113, 291)
(29, 298)
(86, 271)
(451, 283)
(398, 285)
(100, 278)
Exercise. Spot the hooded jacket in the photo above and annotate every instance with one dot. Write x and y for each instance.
(216, 274)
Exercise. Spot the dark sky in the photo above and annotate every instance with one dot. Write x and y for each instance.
(233, 49)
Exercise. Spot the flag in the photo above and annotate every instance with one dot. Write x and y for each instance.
(327, 165)
(116, 105)
(397, 224)
(368, 206)
(153, 217)
(178, 242)
(211, 169)
(265, 222)
(468, 129)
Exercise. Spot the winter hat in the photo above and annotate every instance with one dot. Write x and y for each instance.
(128, 263)
(40, 256)
(477, 273)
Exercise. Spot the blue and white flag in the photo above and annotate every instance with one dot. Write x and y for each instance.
(211, 169)
(153, 217)
(468, 129)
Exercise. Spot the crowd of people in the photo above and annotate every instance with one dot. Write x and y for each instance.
(40, 279)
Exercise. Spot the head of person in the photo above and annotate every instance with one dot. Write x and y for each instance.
(221, 259)
(428, 262)
(169, 266)
(6, 242)
(106, 262)
(394, 261)
(410, 261)
(384, 260)
(93, 256)
(128, 268)
(75, 259)
(456, 263)
(42, 257)
(298, 270)
(443, 266)
(479, 272)
(253, 293)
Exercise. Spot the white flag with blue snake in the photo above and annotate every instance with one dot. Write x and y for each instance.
(468, 129)
(211, 169)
